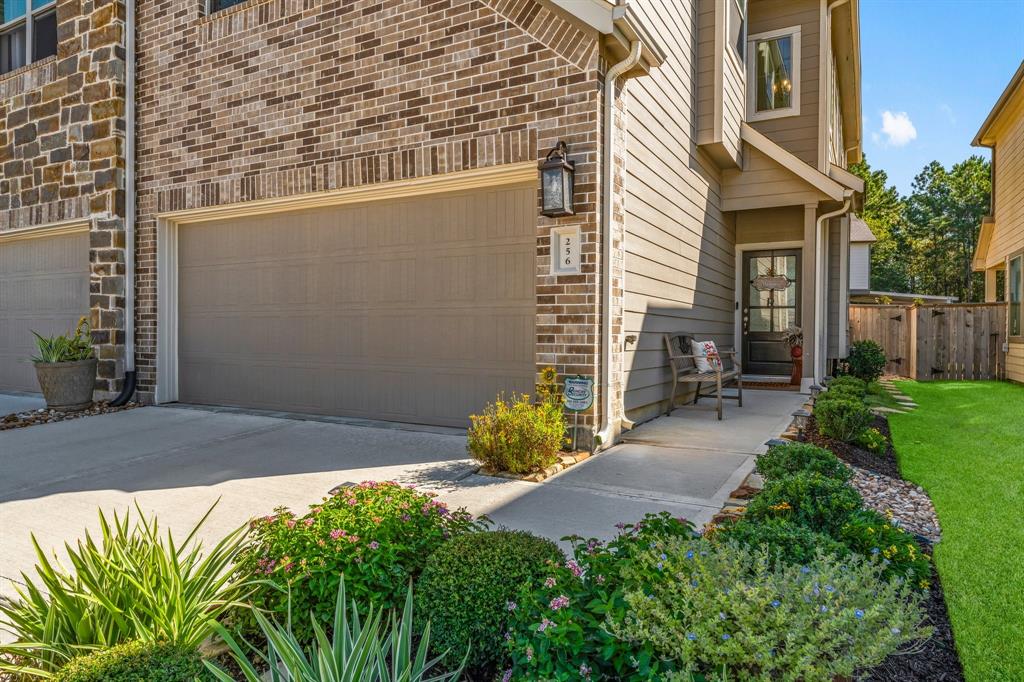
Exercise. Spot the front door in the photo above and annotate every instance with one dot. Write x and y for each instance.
(768, 312)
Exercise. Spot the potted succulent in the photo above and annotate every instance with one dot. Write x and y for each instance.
(66, 368)
(794, 338)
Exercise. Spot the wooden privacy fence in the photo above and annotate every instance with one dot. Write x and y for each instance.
(943, 341)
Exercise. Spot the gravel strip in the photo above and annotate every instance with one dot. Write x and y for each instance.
(910, 504)
(18, 420)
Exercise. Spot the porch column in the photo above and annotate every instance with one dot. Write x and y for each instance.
(809, 294)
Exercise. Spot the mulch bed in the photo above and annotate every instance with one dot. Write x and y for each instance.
(935, 660)
(851, 454)
(19, 420)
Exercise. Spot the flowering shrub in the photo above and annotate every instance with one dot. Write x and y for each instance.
(872, 440)
(559, 627)
(784, 540)
(466, 587)
(807, 498)
(519, 437)
(842, 419)
(378, 535)
(869, 533)
(726, 612)
(782, 460)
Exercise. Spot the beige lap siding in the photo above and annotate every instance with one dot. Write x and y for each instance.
(285, 98)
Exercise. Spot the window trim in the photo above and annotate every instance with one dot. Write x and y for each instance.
(1019, 255)
(792, 110)
(744, 7)
(28, 20)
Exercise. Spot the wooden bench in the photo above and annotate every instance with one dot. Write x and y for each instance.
(684, 371)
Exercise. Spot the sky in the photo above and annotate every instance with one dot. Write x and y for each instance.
(931, 72)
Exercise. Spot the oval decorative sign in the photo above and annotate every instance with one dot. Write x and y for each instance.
(579, 393)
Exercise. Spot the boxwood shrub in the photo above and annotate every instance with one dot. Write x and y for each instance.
(783, 460)
(847, 382)
(134, 662)
(866, 360)
(842, 419)
(465, 589)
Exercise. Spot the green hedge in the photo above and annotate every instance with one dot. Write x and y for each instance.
(134, 662)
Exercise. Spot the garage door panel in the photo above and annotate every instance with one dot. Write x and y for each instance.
(417, 310)
(44, 287)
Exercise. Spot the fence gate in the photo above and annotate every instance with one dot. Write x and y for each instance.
(945, 341)
(889, 326)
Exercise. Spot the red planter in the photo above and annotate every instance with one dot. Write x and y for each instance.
(797, 353)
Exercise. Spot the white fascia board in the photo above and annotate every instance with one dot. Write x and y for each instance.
(599, 14)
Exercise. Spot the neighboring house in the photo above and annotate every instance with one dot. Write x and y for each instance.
(861, 239)
(334, 207)
(1000, 250)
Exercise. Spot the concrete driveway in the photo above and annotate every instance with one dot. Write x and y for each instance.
(177, 461)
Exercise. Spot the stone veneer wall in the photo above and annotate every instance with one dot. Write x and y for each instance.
(282, 97)
(61, 156)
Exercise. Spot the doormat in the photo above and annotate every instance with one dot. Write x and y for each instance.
(770, 386)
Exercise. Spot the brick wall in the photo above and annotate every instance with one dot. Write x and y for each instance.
(61, 154)
(270, 99)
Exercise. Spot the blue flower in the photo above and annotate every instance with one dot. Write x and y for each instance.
(895, 631)
(691, 636)
(689, 554)
(776, 603)
(805, 570)
(693, 582)
(661, 566)
(823, 609)
(725, 637)
(859, 613)
(721, 615)
(664, 556)
(726, 590)
(829, 588)
(875, 550)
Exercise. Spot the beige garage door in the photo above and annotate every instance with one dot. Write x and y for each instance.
(416, 310)
(44, 287)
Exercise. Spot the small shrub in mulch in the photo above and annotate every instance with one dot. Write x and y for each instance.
(851, 453)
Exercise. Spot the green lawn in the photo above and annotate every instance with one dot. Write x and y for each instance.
(965, 446)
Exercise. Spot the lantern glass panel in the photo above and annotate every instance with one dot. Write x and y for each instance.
(554, 191)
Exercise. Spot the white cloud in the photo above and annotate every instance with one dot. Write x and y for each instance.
(897, 128)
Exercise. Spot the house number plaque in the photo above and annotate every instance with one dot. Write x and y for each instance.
(565, 250)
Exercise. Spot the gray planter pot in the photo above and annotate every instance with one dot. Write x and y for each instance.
(67, 386)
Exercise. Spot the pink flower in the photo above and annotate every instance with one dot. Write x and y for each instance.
(337, 533)
(544, 625)
(559, 602)
(352, 501)
(374, 545)
(290, 523)
(574, 567)
(549, 583)
(308, 522)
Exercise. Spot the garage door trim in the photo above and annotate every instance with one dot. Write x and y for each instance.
(48, 230)
(167, 381)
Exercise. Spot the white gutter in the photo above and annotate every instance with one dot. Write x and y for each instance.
(604, 435)
(820, 304)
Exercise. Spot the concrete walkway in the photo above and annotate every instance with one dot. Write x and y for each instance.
(176, 462)
(20, 402)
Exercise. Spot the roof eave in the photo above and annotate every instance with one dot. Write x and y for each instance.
(983, 139)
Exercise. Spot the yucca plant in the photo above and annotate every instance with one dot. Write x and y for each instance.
(377, 650)
(65, 347)
(133, 584)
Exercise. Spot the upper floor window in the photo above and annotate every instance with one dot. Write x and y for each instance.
(773, 74)
(738, 27)
(217, 5)
(28, 32)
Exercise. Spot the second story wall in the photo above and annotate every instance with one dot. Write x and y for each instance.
(1008, 187)
(797, 133)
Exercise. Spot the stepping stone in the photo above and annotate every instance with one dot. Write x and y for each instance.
(887, 410)
(904, 398)
(907, 404)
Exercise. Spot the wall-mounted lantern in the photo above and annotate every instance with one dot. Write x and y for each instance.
(556, 182)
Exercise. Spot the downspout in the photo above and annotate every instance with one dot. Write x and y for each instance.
(820, 304)
(128, 382)
(604, 435)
